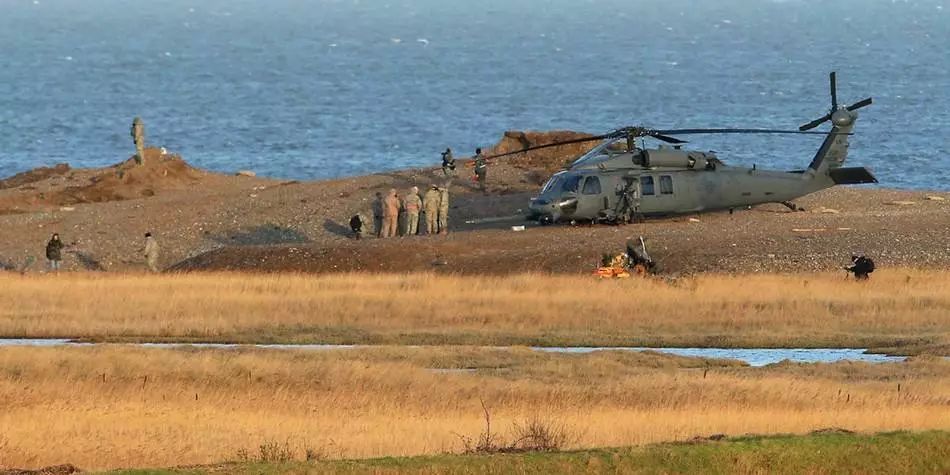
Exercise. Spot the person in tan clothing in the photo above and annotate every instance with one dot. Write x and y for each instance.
(430, 202)
(390, 214)
(412, 203)
(151, 253)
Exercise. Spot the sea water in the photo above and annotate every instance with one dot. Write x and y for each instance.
(327, 88)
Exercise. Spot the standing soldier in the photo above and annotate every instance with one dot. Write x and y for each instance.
(378, 215)
(448, 163)
(390, 214)
(151, 252)
(481, 169)
(138, 136)
(444, 210)
(628, 205)
(54, 252)
(412, 204)
(431, 204)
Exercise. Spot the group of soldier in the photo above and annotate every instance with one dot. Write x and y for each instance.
(413, 214)
(407, 215)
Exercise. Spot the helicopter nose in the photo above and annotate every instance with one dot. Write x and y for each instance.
(542, 207)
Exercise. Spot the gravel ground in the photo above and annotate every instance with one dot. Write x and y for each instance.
(211, 221)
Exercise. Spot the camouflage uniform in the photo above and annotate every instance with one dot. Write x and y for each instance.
(151, 253)
(443, 210)
(481, 169)
(412, 204)
(390, 214)
(378, 215)
(138, 136)
(431, 204)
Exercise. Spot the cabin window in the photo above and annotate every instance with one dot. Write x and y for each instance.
(571, 183)
(591, 186)
(646, 186)
(666, 185)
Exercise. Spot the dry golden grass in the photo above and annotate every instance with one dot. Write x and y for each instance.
(102, 407)
(897, 307)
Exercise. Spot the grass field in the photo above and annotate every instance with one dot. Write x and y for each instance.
(909, 309)
(828, 453)
(110, 407)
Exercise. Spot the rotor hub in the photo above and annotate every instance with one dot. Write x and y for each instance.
(843, 117)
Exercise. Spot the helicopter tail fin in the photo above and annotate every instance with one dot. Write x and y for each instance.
(832, 153)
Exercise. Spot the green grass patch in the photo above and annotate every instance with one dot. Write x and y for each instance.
(820, 453)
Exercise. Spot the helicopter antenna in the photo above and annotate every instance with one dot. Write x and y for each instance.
(832, 78)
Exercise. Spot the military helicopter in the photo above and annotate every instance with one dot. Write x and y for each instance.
(618, 182)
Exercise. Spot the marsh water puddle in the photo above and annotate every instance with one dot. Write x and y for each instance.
(751, 356)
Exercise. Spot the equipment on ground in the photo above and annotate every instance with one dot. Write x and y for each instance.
(634, 261)
(618, 182)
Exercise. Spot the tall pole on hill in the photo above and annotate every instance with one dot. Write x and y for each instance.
(138, 136)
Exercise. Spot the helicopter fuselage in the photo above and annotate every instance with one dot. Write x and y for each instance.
(667, 180)
(581, 194)
(616, 181)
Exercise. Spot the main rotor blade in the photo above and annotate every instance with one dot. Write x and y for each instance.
(860, 104)
(834, 93)
(665, 138)
(815, 123)
(731, 131)
(554, 144)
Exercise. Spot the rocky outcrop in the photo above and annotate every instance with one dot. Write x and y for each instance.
(550, 159)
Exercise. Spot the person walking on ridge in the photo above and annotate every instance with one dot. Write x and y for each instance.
(481, 169)
(54, 252)
(151, 253)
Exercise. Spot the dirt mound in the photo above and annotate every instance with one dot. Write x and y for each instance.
(34, 175)
(548, 159)
(129, 180)
(63, 186)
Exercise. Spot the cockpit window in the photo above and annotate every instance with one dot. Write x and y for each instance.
(571, 183)
(553, 183)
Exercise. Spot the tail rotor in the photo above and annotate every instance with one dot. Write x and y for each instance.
(834, 106)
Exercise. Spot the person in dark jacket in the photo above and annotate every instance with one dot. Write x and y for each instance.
(356, 225)
(448, 163)
(861, 266)
(54, 252)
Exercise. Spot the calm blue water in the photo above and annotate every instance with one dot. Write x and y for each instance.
(316, 89)
(752, 356)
